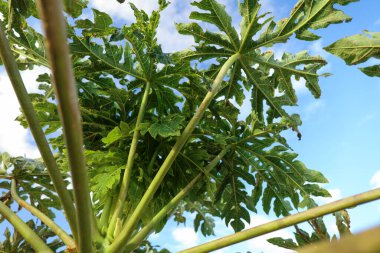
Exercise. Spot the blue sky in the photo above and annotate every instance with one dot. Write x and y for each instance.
(340, 130)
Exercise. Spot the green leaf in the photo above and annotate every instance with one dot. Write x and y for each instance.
(314, 176)
(14, 242)
(102, 59)
(307, 202)
(250, 24)
(289, 66)
(75, 7)
(316, 190)
(100, 27)
(371, 70)
(216, 14)
(206, 223)
(24, 7)
(283, 243)
(343, 222)
(33, 183)
(267, 199)
(357, 48)
(104, 182)
(112, 136)
(167, 126)
(266, 91)
(200, 36)
(305, 16)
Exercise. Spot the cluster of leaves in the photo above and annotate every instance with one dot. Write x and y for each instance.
(35, 187)
(147, 247)
(33, 181)
(15, 243)
(114, 65)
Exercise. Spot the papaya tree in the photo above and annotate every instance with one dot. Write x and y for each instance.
(131, 136)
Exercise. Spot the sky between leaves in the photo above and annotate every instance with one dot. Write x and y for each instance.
(340, 130)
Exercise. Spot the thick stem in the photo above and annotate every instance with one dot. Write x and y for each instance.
(24, 230)
(70, 243)
(128, 169)
(147, 229)
(286, 222)
(65, 88)
(123, 237)
(37, 132)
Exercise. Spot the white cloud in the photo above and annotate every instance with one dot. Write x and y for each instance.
(123, 11)
(377, 22)
(177, 12)
(185, 236)
(260, 244)
(375, 180)
(299, 85)
(14, 139)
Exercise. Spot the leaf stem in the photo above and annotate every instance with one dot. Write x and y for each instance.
(123, 237)
(37, 132)
(25, 231)
(51, 12)
(70, 243)
(147, 229)
(104, 217)
(128, 169)
(286, 222)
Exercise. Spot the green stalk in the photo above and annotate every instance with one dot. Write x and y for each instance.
(128, 169)
(153, 158)
(96, 235)
(104, 217)
(51, 12)
(123, 237)
(24, 230)
(70, 243)
(37, 132)
(147, 229)
(286, 222)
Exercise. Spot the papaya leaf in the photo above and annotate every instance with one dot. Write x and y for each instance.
(305, 15)
(168, 126)
(99, 28)
(216, 14)
(357, 49)
(371, 70)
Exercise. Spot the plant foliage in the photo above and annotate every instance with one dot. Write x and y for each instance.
(114, 65)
